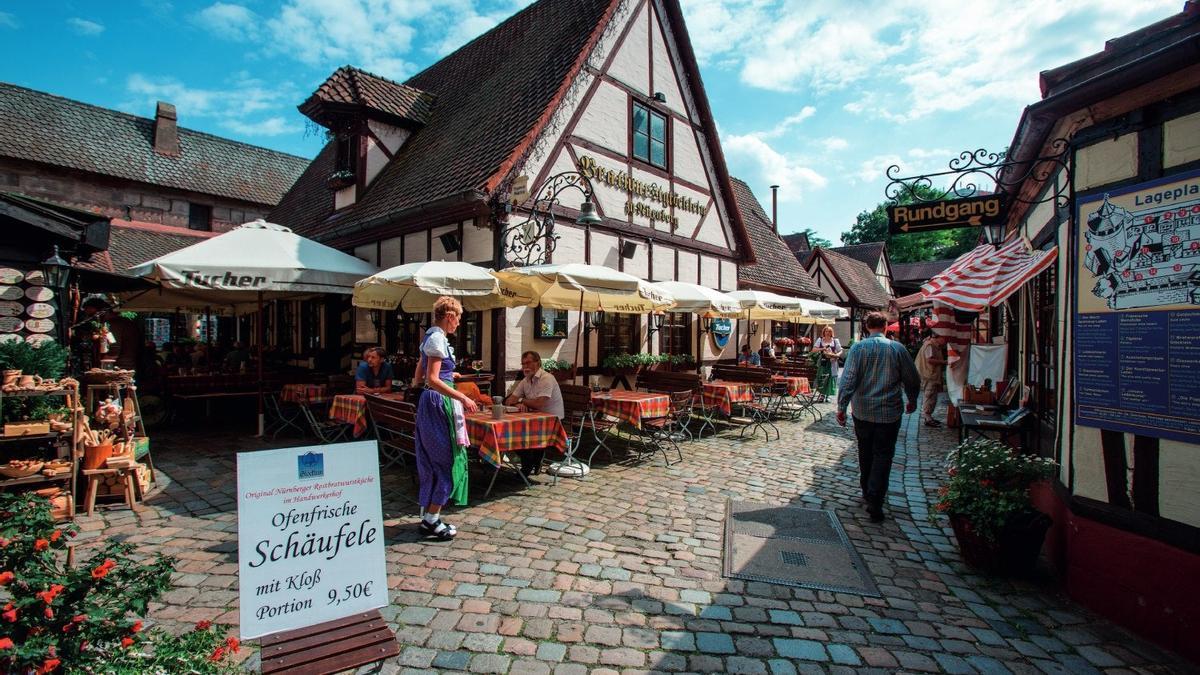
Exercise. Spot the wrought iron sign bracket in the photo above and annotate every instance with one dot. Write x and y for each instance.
(532, 240)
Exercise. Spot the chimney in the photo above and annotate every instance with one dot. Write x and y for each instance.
(775, 208)
(166, 135)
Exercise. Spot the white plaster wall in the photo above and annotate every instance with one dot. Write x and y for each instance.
(711, 232)
(1179, 482)
(344, 197)
(477, 243)
(438, 252)
(709, 271)
(686, 161)
(663, 264)
(389, 253)
(728, 276)
(609, 39)
(415, 246)
(1181, 140)
(1038, 215)
(604, 250)
(366, 252)
(570, 247)
(1106, 162)
(605, 121)
(689, 266)
(664, 72)
(639, 264)
(631, 65)
(392, 138)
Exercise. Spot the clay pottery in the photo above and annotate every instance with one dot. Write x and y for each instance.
(11, 377)
(30, 381)
(95, 456)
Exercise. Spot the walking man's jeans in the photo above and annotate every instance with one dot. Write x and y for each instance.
(876, 447)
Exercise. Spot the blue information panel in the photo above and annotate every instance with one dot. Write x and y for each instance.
(1137, 328)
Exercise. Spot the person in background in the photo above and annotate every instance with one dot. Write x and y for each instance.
(829, 365)
(538, 391)
(441, 459)
(237, 358)
(878, 371)
(766, 350)
(931, 366)
(199, 355)
(374, 374)
(747, 357)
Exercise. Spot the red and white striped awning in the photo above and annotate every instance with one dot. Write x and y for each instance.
(986, 276)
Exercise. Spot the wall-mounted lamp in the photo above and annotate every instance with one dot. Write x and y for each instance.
(655, 324)
(753, 328)
(628, 249)
(660, 97)
(596, 321)
(994, 234)
(706, 324)
(450, 242)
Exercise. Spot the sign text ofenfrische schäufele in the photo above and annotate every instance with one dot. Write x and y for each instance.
(310, 550)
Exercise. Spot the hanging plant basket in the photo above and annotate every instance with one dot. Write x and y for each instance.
(339, 180)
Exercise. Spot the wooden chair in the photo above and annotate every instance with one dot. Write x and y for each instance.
(661, 431)
(395, 425)
(581, 417)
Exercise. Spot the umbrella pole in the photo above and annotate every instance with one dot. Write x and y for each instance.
(259, 330)
(579, 340)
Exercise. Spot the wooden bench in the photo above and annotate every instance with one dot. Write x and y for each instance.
(751, 374)
(669, 382)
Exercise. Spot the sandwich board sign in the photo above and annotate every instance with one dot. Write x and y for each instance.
(310, 536)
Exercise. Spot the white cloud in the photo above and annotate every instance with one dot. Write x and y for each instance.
(229, 21)
(235, 107)
(85, 27)
(794, 179)
(834, 144)
(8, 20)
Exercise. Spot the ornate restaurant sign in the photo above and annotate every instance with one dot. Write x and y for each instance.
(946, 214)
(641, 190)
(310, 536)
(1137, 314)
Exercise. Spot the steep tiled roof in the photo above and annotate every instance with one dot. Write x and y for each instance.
(858, 279)
(490, 94)
(918, 272)
(350, 88)
(775, 264)
(40, 127)
(797, 242)
(868, 253)
(133, 243)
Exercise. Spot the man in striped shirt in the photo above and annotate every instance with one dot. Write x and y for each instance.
(876, 371)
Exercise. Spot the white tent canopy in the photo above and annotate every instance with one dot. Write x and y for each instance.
(585, 288)
(823, 310)
(416, 286)
(701, 300)
(228, 272)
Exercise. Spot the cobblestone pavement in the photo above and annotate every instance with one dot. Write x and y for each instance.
(621, 572)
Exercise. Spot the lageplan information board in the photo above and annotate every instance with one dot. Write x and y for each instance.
(1137, 321)
(310, 536)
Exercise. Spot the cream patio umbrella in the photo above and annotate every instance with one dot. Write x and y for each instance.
(413, 288)
(821, 312)
(702, 301)
(237, 270)
(767, 305)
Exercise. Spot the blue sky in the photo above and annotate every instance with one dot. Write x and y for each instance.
(818, 97)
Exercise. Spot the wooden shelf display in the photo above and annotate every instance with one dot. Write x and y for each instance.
(61, 443)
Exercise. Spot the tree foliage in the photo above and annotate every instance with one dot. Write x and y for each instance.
(815, 240)
(912, 247)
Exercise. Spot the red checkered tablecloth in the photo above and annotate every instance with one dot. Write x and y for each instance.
(514, 431)
(632, 406)
(351, 409)
(304, 393)
(795, 385)
(721, 395)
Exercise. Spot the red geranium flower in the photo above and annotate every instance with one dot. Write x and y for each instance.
(126, 641)
(232, 643)
(79, 618)
(204, 624)
(49, 613)
(136, 627)
(217, 655)
(6, 643)
(10, 615)
(6, 577)
(41, 545)
(49, 666)
(55, 535)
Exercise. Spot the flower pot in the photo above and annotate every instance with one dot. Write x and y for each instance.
(95, 456)
(11, 377)
(1013, 553)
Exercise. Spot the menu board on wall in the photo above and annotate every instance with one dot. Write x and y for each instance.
(28, 308)
(1137, 328)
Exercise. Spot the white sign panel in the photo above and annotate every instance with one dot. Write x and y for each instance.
(310, 536)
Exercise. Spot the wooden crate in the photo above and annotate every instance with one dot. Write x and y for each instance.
(26, 428)
(115, 484)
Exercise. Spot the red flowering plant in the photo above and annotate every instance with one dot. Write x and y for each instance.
(82, 618)
(989, 485)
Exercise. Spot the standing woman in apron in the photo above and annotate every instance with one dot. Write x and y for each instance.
(827, 369)
(441, 458)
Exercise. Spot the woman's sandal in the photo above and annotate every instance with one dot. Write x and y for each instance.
(442, 530)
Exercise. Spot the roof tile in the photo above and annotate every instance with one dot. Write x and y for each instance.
(855, 275)
(775, 264)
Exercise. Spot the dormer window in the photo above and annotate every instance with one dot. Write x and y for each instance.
(346, 157)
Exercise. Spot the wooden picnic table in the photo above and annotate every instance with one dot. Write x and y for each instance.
(631, 406)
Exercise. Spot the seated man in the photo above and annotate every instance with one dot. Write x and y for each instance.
(374, 374)
(537, 392)
(748, 358)
(237, 359)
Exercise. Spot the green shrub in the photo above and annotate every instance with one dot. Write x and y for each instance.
(49, 360)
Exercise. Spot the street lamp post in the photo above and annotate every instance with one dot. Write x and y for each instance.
(56, 272)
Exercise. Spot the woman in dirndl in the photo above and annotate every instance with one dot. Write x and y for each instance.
(830, 349)
(441, 434)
